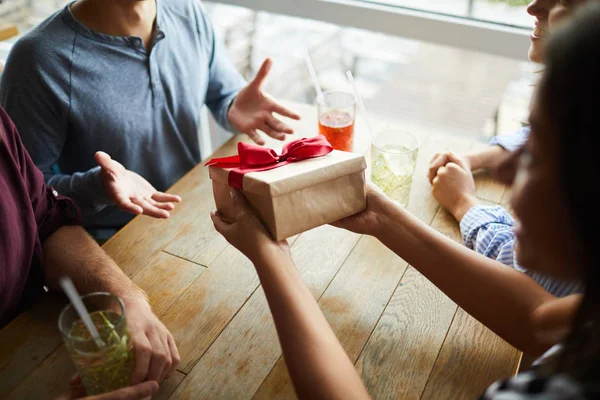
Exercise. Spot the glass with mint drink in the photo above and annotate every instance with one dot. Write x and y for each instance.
(102, 368)
(393, 161)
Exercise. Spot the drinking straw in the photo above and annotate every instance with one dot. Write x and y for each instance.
(313, 75)
(363, 109)
(67, 284)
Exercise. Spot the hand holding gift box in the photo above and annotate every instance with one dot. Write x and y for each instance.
(308, 185)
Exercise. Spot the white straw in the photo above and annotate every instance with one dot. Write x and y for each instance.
(67, 284)
(313, 75)
(363, 109)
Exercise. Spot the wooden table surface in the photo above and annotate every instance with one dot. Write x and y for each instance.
(407, 339)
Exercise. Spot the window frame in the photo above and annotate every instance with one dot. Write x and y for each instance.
(455, 31)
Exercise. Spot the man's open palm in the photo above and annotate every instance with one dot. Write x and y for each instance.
(131, 192)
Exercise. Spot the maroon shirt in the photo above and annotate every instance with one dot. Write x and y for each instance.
(29, 213)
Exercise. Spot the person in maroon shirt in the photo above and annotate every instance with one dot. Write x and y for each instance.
(41, 240)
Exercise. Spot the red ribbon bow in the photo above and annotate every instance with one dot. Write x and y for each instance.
(253, 158)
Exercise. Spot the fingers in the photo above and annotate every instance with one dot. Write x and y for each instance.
(149, 209)
(262, 73)
(457, 160)
(255, 136)
(160, 361)
(162, 206)
(125, 204)
(281, 110)
(143, 355)
(166, 197)
(176, 359)
(275, 134)
(137, 392)
(169, 361)
(438, 160)
(278, 125)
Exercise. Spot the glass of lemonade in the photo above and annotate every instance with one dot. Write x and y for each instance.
(103, 369)
(336, 119)
(393, 161)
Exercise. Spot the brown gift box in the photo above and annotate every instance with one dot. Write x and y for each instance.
(301, 195)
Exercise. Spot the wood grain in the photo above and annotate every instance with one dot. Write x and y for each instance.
(209, 304)
(352, 304)
(198, 242)
(49, 380)
(8, 30)
(472, 358)
(169, 386)
(242, 356)
(401, 353)
(28, 340)
(165, 279)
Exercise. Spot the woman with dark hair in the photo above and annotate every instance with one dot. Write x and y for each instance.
(556, 232)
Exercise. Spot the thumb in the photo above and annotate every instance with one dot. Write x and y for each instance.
(240, 206)
(262, 73)
(457, 160)
(103, 160)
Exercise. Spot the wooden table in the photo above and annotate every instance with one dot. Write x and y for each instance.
(407, 338)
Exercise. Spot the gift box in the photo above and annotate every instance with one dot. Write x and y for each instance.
(305, 186)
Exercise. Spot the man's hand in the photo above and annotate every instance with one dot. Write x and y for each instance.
(454, 188)
(156, 355)
(253, 110)
(131, 192)
(138, 392)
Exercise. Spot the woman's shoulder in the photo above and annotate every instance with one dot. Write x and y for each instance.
(531, 385)
(539, 383)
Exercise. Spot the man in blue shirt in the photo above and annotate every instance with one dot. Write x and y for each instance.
(127, 78)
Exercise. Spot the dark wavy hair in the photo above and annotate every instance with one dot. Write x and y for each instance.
(570, 99)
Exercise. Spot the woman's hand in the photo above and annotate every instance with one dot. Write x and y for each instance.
(368, 221)
(247, 233)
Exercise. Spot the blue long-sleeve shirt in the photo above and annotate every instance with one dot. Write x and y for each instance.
(72, 91)
(490, 230)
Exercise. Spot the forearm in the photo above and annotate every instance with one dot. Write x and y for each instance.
(70, 251)
(488, 158)
(85, 188)
(503, 299)
(318, 365)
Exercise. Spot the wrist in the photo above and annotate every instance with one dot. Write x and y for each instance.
(473, 162)
(387, 215)
(270, 254)
(463, 206)
(133, 297)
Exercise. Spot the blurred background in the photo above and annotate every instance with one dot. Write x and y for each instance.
(457, 67)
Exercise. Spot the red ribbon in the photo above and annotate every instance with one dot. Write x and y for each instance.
(253, 158)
